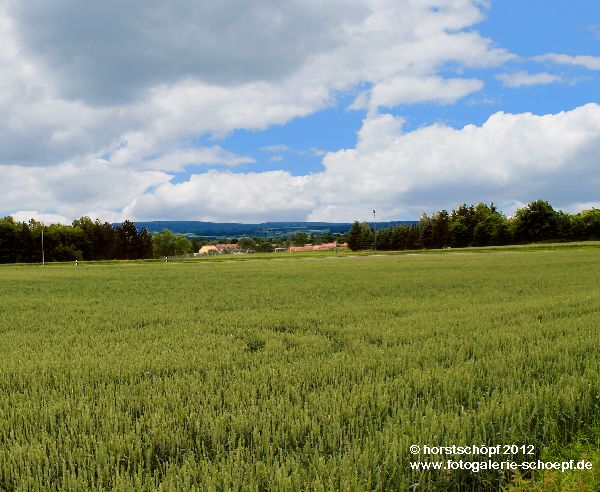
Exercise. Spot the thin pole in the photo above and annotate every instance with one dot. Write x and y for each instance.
(375, 229)
(43, 257)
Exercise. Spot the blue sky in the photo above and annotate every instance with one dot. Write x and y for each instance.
(528, 29)
(246, 112)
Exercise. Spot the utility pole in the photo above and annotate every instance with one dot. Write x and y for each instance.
(375, 230)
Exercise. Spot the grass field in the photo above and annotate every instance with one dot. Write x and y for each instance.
(296, 375)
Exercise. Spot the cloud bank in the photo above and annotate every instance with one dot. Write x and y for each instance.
(103, 104)
(403, 173)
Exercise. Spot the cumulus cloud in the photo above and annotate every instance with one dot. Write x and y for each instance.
(114, 50)
(511, 156)
(585, 61)
(80, 79)
(221, 196)
(510, 159)
(525, 79)
(46, 219)
(100, 103)
(410, 90)
(177, 160)
(72, 189)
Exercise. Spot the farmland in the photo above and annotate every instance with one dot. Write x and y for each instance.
(293, 374)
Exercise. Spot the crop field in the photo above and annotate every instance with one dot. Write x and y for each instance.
(297, 374)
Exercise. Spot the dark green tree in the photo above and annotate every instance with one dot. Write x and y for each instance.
(538, 221)
(586, 224)
(7, 240)
(183, 246)
(361, 236)
(163, 243)
(127, 245)
(24, 246)
(300, 238)
(491, 226)
(383, 239)
(265, 247)
(462, 225)
(145, 250)
(247, 244)
(425, 232)
(440, 229)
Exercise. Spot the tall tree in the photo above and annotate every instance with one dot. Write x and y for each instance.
(361, 236)
(24, 249)
(247, 243)
(300, 238)
(462, 225)
(535, 222)
(425, 232)
(145, 249)
(127, 241)
(163, 243)
(440, 229)
(491, 226)
(7, 240)
(586, 224)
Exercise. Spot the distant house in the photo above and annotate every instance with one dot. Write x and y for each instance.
(208, 249)
(313, 247)
(217, 249)
(306, 247)
(227, 248)
(326, 245)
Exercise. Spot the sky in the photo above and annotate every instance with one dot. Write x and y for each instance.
(302, 110)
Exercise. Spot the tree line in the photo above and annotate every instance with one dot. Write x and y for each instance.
(85, 239)
(468, 225)
(480, 225)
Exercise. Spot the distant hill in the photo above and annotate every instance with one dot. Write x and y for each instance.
(265, 229)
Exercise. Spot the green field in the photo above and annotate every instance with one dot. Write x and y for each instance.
(295, 375)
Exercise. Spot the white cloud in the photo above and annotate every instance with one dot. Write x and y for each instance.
(46, 219)
(115, 50)
(577, 206)
(525, 79)
(95, 124)
(276, 148)
(286, 149)
(73, 189)
(510, 159)
(220, 196)
(585, 61)
(410, 90)
(169, 73)
(178, 159)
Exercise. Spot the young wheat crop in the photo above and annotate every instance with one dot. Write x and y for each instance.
(292, 375)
